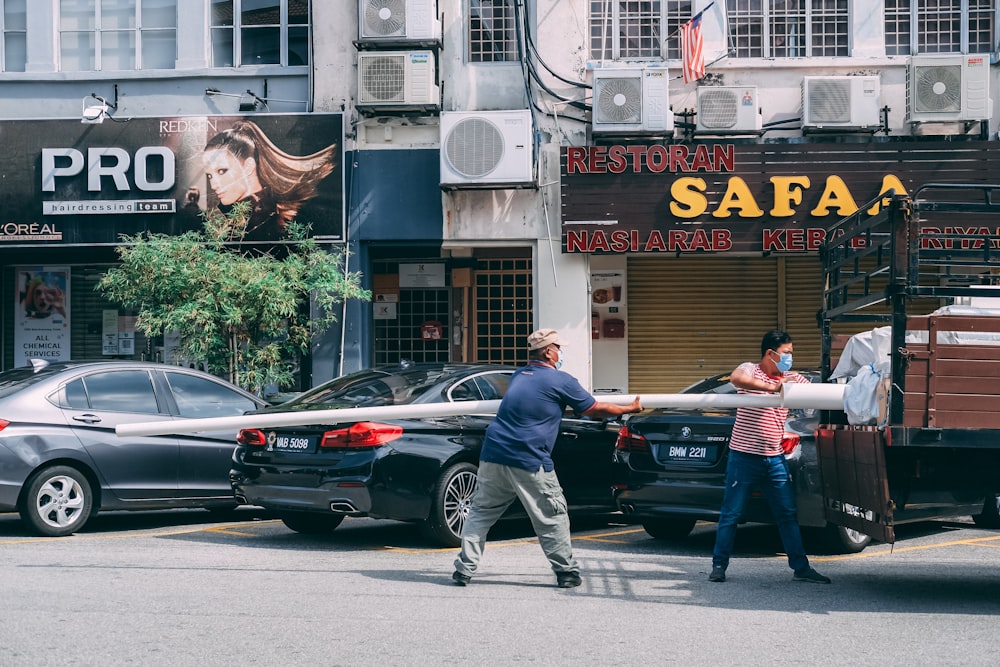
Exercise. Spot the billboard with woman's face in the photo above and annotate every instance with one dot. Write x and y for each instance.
(69, 183)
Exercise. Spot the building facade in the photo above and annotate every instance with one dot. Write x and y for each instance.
(661, 224)
(508, 165)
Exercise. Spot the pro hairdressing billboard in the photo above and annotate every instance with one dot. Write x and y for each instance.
(64, 182)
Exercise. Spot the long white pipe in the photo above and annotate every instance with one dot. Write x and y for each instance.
(304, 417)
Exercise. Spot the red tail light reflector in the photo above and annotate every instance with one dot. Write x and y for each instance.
(3, 424)
(362, 434)
(789, 441)
(251, 436)
(631, 442)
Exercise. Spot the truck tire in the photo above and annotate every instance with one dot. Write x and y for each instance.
(990, 518)
(843, 540)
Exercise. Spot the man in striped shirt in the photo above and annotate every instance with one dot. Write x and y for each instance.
(757, 460)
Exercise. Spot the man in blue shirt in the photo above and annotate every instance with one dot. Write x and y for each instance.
(516, 459)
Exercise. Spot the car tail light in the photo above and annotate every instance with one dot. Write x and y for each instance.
(3, 424)
(361, 434)
(631, 442)
(789, 441)
(251, 436)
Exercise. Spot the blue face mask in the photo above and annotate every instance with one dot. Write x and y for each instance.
(785, 362)
(558, 363)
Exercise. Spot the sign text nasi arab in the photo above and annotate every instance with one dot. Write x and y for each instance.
(622, 186)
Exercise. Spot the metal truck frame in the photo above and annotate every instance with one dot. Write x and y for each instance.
(938, 453)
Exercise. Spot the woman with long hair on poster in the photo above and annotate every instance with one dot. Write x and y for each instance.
(242, 164)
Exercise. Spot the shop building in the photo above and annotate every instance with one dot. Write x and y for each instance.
(661, 224)
(514, 165)
(105, 111)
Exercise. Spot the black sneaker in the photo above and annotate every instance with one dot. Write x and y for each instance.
(718, 574)
(568, 579)
(460, 579)
(811, 576)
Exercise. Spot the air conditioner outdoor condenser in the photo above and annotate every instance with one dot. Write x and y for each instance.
(487, 149)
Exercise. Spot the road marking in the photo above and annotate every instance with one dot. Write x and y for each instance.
(164, 533)
(869, 553)
(602, 537)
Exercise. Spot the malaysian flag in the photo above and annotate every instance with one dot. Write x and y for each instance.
(691, 49)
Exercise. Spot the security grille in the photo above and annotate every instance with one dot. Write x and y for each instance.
(503, 307)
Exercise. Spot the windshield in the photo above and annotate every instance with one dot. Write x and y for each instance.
(377, 387)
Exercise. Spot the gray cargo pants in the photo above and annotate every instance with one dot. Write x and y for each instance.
(498, 486)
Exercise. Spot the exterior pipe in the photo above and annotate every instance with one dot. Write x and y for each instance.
(792, 395)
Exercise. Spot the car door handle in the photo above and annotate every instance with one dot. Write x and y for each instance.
(87, 419)
(568, 435)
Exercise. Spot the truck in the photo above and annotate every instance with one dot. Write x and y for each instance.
(924, 270)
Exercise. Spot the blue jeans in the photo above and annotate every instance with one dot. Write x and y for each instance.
(744, 473)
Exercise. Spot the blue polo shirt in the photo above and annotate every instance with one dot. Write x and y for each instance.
(527, 423)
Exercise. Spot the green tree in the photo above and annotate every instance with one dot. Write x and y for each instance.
(244, 313)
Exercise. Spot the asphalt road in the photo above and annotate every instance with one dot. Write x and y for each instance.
(181, 588)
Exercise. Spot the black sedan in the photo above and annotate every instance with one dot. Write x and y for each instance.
(674, 465)
(61, 461)
(421, 470)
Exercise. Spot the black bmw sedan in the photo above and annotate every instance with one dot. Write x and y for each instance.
(408, 469)
(673, 468)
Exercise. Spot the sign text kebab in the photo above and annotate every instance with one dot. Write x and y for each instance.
(697, 215)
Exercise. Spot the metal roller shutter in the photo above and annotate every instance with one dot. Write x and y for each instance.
(803, 299)
(693, 316)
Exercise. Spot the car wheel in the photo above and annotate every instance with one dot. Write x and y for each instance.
(57, 502)
(451, 504)
(312, 523)
(845, 540)
(990, 518)
(668, 529)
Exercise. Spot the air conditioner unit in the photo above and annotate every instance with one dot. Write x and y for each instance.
(948, 88)
(840, 102)
(632, 101)
(397, 79)
(487, 149)
(728, 109)
(398, 20)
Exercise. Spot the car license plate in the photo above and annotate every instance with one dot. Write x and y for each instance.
(294, 443)
(706, 453)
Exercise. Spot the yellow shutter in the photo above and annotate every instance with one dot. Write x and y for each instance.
(697, 315)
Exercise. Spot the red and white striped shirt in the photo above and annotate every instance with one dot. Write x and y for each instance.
(759, 430)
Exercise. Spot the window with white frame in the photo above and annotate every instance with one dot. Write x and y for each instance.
(260, 32)
(789, 28)
(15, 35)
(492, 36)
(939, 26)
(107, 35)
(637, 29)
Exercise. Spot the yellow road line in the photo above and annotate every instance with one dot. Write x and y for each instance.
(888, 551)
(164, 533)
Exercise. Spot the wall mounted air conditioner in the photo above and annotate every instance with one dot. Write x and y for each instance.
(728, 109)
(632, 101)
(398, 20)
(397, 79)
(487, 149)
(948, 88)
(840, 102)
